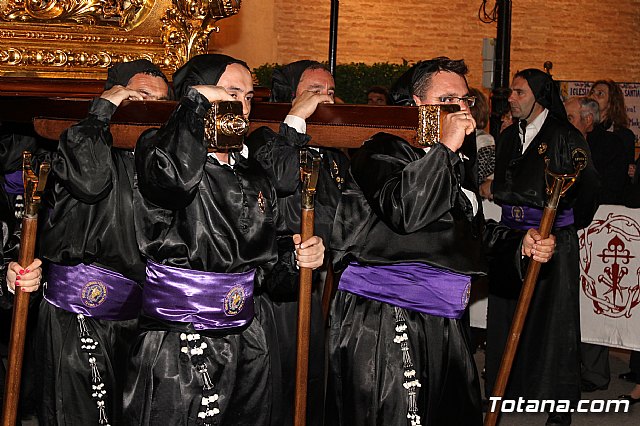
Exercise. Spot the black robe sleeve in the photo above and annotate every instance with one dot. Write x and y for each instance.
(408, 193)
(83, 164)
(401, 204)
(170, 161)
(279, 155)
(91, 220)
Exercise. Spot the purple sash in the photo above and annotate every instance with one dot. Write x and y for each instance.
(208, 300)
(93, 291)
(525, 217)
(13, 183)
(413, 286)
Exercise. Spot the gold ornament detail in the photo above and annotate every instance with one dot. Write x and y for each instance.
(126, 14)
(64, 58)
(542, 148)
(79, 39)
(187, 25)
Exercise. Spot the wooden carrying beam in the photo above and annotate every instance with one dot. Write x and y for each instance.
(344, 126)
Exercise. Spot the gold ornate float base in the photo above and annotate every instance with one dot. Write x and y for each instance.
(80, 39)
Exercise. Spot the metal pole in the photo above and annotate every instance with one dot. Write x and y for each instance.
(333, 36)
(500, 93)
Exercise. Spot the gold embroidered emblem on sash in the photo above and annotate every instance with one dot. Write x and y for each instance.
(234, 300)
(94, 293)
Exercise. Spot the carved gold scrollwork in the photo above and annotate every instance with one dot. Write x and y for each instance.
(67, 58)
(82, 38)
(187, 25)
(125, 14)
(10, 56)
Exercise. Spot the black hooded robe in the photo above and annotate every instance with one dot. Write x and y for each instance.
(402, 205)
(201, 214)
(279, 154)
(92, 222)
(547, 363)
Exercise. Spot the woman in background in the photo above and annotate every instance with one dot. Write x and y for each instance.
(613, 116)
(485, 143)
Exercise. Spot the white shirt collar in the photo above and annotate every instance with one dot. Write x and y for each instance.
(533, 128)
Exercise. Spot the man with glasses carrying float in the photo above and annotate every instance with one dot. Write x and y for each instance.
(408, 241)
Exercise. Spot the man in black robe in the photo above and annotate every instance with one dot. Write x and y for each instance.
(92, 298)
(408, 240)
(547, 364)
(306, 84)
(214, 240)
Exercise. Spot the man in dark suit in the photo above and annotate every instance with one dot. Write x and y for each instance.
(607, 150)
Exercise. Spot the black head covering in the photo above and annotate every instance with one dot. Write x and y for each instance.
(285, 80)
(202, 69)
(401, 92)
(120, 74)
(545, 90)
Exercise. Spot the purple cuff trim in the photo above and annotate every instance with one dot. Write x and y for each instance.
(208, 300)
(93, 291)
(414, 286)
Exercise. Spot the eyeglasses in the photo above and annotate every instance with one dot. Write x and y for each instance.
(469, 100)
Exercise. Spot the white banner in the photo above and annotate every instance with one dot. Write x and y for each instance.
(609, 278)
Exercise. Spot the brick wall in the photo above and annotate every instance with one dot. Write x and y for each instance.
(584, 39)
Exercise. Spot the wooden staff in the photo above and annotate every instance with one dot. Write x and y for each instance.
(309, 169)
(34, 186)
(560, 185)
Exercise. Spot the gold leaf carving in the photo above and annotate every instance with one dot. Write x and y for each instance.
(125, 14)
(187, 25)
(81, 38)
(64, 58)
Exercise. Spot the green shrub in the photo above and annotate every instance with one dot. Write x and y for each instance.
(352, 80)
(262, 74)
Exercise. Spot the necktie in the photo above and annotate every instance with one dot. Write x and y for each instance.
(523, 126)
